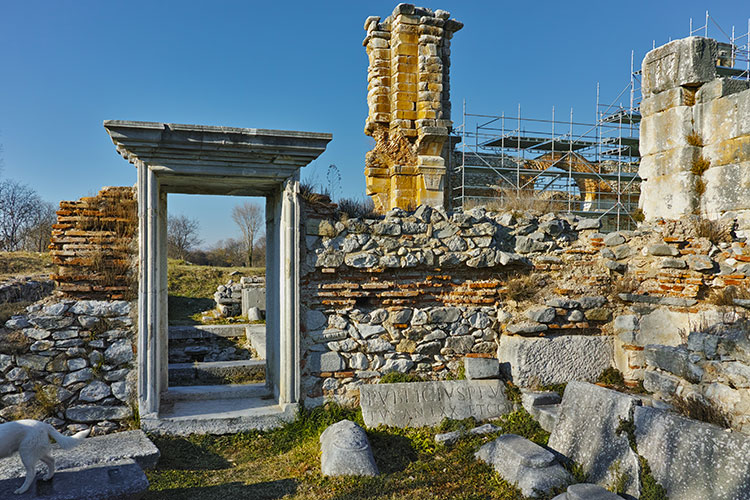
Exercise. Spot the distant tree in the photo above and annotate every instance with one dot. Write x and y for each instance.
(18, 207)
(182, 235)
(37, 236)
(249, 216)
(259, 258)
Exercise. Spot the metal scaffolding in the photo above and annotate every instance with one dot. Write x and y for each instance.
(582, 168)
(564, 166)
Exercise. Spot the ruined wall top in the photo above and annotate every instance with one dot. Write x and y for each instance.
(409, 105)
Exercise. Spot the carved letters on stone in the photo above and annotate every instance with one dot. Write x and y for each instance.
(428, 403)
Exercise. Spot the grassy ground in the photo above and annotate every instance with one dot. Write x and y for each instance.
(285, 463)
(15, 264)
(191, 288)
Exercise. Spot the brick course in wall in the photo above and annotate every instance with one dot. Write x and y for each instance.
(93, 243)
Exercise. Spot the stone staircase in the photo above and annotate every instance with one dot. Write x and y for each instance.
(202, 396)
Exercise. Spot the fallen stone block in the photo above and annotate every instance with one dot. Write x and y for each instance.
(587, 491)
(448, 438)
(693, 460)
(121, 480)
(345, 451)
(115, 447)
(419, 404)
(481, 368)
(555, 360)
(543, 406)
(587, 432)
(530, 467)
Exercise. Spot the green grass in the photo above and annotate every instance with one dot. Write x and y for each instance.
(285, 463)
(191, 288)
(14, 264)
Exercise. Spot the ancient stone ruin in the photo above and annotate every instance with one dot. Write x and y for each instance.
(482, 295)
(409, 106)
(695, 133)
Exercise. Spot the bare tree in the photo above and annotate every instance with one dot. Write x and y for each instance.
(37, 236)
(249, 216)
(18, 206)
(182, 235)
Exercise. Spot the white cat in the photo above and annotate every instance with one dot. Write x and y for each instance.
(30, 438)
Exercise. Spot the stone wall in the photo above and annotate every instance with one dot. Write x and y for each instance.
(548, 295)
(695, 133)
(25, 290)
(409, 106)
(93, 243)
(69, 363)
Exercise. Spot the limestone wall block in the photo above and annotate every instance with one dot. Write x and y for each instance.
(727, 189)
(717, 120)
(728, 152)
(677, 160)
(720, 87)
(663, 101)
(669, 196)
(688, 61)
(743, 113)
(666, 130)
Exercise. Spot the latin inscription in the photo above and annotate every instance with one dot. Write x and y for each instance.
(428, 403)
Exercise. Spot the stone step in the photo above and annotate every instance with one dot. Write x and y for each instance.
(219, 416)
(123, 479)
(133, 445)
(216, 372)
(208, 392)
(101, 467)
(256, 337)
(206, 331)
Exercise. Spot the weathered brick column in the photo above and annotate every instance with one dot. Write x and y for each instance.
(409, 106)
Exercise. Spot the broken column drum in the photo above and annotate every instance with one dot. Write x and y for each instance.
(409, 106)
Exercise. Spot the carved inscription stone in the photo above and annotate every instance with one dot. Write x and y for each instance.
(419, 404)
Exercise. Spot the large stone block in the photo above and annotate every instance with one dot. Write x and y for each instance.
(688, 61)
(420, 404)
(527, 465)
(717, 120)
(122, 480)
(669, 196)
(727, 189)
(691, 459)
(555, 360)
(672, 161)
(719, 88)
(666, 130)
(587, 433)
(481, 368)
(663, 101)
(345, 451)
(731, 151)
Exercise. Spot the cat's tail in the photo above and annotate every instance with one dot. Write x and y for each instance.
(67, 442)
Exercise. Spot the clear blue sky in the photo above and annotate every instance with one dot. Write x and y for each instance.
(65, 66)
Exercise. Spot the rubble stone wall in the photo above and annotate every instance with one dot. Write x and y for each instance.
(93, 244)
(69, 363)
(695, 133)
(409, 106)
(417, 291)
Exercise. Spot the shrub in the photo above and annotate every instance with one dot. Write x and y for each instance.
(611, 376)
(357, 208)
(698, 408)
(399, 378)
(694, 139)
(15, 342)
(700, 186)
(713, 231)
(520, 287)
(726, 296)
(309, 193)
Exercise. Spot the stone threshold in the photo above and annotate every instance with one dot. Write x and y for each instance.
(219, 416)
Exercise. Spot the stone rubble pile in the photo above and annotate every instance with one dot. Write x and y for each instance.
(72, 360)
